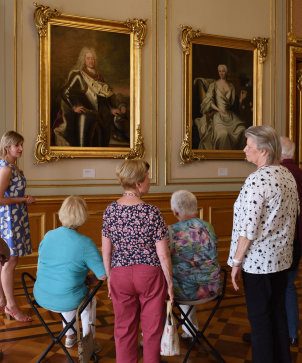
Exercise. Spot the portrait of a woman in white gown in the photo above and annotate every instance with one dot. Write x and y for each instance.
(219, 127)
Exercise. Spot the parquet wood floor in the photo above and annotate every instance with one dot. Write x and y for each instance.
(25, 342)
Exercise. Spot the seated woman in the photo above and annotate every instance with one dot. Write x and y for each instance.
(65, 258)
(193, 245)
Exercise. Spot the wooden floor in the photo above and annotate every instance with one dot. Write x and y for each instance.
(25, 342)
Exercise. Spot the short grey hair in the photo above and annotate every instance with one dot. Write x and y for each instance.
(73, 212)
(184, 203)
(266, 138)
(288, 147)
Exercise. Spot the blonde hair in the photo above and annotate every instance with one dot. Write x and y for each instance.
(184, 203)
(266, 138)
(8, 139)
(130, 172)
(73, 212)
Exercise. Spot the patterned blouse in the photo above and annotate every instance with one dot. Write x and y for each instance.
(265, 213)
(196, 271)
(133, 231)
(14, 224)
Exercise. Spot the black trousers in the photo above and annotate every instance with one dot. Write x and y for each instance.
(265, 300)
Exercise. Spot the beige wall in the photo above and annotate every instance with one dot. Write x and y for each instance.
(162, 87)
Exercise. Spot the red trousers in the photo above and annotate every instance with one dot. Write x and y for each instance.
(138, 294)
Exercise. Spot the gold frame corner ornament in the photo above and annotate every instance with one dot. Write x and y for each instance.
(42, 15)
(293, 39)
(139, 29)
(138, 152)
(187, 35)
(261, 45)
(43, 154)
(186, 154)
(44, 19)
(295, 91)
(258, 46)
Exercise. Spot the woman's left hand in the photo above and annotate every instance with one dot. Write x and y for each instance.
(171, 294)
(109, 289)
(236, 275)
(29, 199)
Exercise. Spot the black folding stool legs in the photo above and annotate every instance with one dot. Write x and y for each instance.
(198, 336)
(56, 339)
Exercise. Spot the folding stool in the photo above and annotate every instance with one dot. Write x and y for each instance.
(56, 337)
(198, 336)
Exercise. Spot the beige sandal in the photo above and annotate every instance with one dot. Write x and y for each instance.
(18, 315)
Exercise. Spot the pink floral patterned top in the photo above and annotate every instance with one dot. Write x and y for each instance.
(134, 231)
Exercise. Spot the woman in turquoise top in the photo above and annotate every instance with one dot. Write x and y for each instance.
(65, 258)
(14, 225)
(193, 246)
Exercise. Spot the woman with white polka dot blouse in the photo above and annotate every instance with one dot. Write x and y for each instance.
(262, 243)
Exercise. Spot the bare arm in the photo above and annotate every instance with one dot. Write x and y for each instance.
(5, 177)
(243, 245)
(165, 261)
(107, 253)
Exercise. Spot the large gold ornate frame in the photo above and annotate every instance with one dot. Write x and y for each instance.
(294, 50)
(187, 38)
(45, 18)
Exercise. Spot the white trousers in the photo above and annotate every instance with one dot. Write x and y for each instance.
(192, 317)
(68, 315)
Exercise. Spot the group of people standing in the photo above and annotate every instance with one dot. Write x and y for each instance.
(146, 263)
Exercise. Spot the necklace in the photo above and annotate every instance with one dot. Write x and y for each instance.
(130, 194)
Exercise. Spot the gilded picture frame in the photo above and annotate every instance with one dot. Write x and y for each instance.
(89, 87)
(295, 98)
(217, 109)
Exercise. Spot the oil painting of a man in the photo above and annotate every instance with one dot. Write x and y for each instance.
(87, 111)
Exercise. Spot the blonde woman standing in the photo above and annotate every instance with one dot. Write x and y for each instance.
(14, 225)
(139, 267)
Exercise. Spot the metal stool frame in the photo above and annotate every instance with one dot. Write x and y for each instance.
(56, 339)
(198, 336)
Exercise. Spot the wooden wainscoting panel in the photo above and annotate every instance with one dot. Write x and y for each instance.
(93, 227)
(55, 220)
(37, 223)
(216, 208)
(221, 218)
(201, 213)
(169, 217)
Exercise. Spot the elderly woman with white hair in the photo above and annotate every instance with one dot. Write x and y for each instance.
(65, 258)
(262, 243)
(193, 246)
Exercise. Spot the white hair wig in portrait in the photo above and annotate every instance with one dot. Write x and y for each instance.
(223, 66)
(184, 203)
(73, 212)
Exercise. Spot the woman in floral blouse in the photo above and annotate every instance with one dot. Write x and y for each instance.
(262, 243)
(138, 265)
(193, 246)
